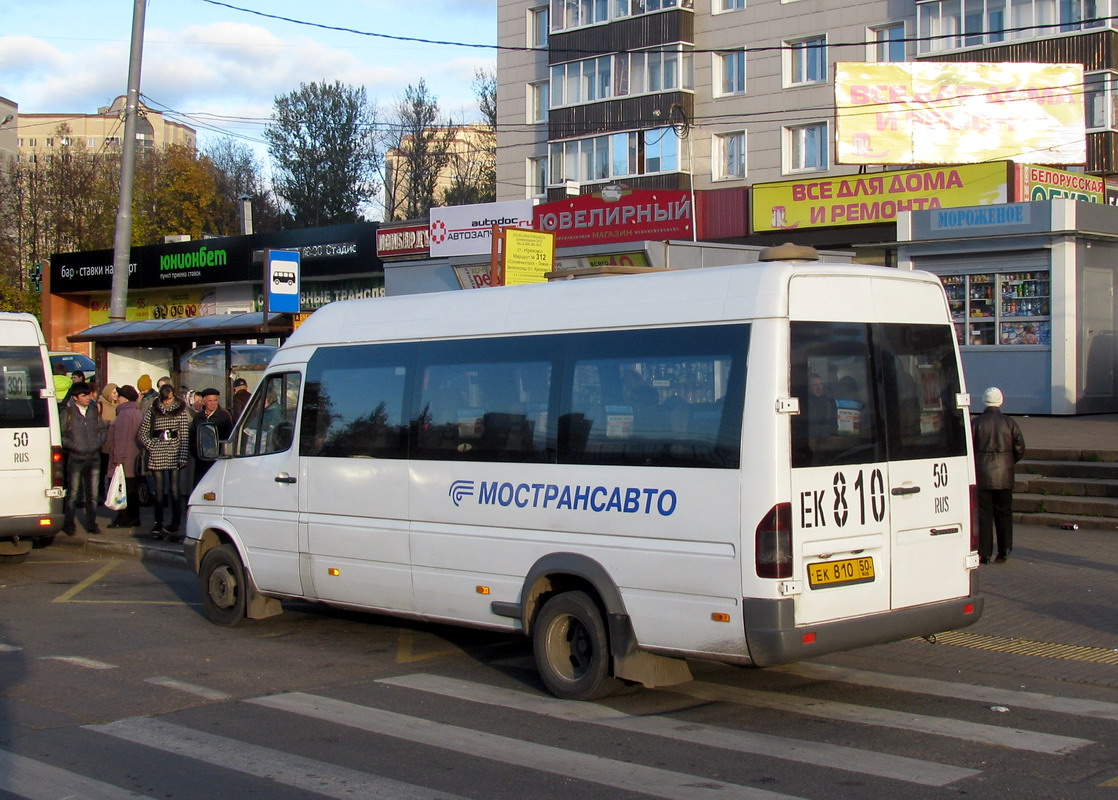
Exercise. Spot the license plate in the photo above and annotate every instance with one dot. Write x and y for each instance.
(825, 574)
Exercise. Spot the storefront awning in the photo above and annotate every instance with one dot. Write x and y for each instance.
(211, 328)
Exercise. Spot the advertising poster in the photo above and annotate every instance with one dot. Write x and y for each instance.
(951, 113)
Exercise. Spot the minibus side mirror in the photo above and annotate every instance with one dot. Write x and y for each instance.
(209, 445)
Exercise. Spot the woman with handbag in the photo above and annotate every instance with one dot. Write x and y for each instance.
(124, 450)
(165, 434)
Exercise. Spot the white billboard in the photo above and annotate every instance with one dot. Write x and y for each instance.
(468, 230)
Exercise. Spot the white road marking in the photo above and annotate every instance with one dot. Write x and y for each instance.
(1015, 738)
(863, 762)
(9, 648)
(545, 758)
(1098, 709)
(80, 661)
(34, 780)
(190, 688)
(305, 774)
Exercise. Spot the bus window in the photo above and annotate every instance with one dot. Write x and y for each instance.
(269, 419)
(655, 397)
(832, 375)
(355, 402)
(921, 378)
(21, 382)
(484, 400)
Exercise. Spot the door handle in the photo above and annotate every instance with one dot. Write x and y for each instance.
(901, 490)
(283, 477)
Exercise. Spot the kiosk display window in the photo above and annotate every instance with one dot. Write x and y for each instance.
(1009, 308)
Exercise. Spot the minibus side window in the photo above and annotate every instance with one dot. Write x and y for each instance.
(832, 374)
(269, 419)
(662, 397)
(921, 379)
(484, 400)
(21, 382)
(354, 404)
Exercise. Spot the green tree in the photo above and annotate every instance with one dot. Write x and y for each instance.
(321, 141)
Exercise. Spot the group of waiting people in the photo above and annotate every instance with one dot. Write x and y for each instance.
(148, 430)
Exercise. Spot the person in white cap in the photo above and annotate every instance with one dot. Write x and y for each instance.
(998, 445)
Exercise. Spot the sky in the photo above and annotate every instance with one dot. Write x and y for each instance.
(220, 68)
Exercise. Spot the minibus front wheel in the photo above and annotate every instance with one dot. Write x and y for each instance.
(222, 578)
(571, 647)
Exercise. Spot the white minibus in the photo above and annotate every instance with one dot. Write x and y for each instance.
(751, 464)
(31, 480)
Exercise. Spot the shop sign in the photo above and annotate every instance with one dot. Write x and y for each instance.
(314, 295)
(152, 304)
(872, 199)
(405, 240)
(473, 276)
(618, 214)
(468, 230)
(951, 113)
(1044, 183)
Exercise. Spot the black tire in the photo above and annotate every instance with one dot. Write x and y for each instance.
(571, 648)
(224, 586)
(43, 541)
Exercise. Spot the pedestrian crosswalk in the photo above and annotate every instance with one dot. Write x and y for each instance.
(415, 710)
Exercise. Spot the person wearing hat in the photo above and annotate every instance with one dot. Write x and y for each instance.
(998, 445)
(214, 414)
(241, 394)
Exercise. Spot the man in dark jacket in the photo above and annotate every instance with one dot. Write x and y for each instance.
(241, 395)
(83, 434)
(998, 445)
(213, 413)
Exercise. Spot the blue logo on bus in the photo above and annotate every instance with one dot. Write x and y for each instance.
(566, 497)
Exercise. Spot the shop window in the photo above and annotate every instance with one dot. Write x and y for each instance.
(1010, 308)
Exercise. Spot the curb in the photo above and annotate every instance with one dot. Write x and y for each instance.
(170, 554)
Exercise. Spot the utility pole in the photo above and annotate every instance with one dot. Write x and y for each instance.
(122, 243)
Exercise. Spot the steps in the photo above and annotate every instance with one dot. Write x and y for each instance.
(1059, 487)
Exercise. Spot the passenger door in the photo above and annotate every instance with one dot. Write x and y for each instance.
(261, 488)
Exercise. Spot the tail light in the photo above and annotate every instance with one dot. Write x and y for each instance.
(973, 517)
(57, 476)
(773, 553)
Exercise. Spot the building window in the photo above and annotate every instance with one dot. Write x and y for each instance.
(728, 156)
(621, 75)
(537, 177)
(538, 101)
(32, 142)
(617, 155)
(537, 27)
(721, 6)
(731, 72)
(568, 14)
(1100, 98)
(887, 43)
(806, 147)
(90, 141)
(950, 25)
(806, 60)
(50, 141)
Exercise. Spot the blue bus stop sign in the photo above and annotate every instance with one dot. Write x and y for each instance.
(281, 281)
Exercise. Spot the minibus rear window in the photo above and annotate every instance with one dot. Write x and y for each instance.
(21, 383)
(874, 392)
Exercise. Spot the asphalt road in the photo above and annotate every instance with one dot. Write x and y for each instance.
(114, 685)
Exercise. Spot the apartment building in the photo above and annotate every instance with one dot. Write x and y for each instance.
(101, 132)
(707, 94)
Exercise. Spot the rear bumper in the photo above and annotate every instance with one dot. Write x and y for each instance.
(27, 526)
(773, 637)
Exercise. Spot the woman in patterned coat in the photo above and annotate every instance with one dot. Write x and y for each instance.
(165, 434)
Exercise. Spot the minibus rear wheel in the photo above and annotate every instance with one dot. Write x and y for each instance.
(571, 647)
(222, 578)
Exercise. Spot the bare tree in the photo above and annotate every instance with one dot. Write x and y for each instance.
(240, 174)
(473, 160)
(416, 145)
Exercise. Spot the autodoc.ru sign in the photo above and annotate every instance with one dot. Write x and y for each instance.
(468, 230)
